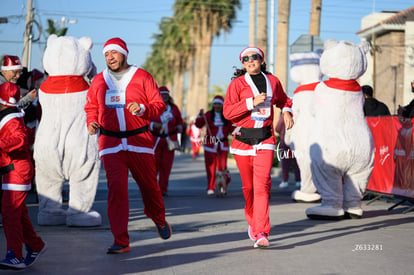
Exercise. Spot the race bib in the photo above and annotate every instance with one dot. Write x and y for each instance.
(262, 111)
(166, 116)
(115, 99)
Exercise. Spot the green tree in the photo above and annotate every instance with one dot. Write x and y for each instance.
(52, 29)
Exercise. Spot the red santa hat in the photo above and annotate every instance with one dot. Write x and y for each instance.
(10, 63)
(218, 99)
(116, 44)
(9, 94)
(164, 90)
(251, 49)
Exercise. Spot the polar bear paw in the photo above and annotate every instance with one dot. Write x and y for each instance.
(321, 212)
(299, 196)
(91, 218)
(57, 217)
(353, 213)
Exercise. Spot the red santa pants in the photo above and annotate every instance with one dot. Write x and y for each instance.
(256, 181)
(212, 162)
(164, 159)
(142, 167)
(18, 228)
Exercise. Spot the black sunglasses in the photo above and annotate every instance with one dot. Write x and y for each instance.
(252, 57)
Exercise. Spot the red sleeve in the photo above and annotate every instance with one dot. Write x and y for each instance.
(280, 99)
(234, 108)
(200, 121)
(91, 106)
(178, 118)
(155, 106)
(15, 137)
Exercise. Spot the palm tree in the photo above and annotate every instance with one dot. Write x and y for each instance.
(262, 25)
(206, 19)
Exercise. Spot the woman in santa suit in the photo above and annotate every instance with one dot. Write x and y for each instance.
(216, 143)
(249, 105)
(164, 130)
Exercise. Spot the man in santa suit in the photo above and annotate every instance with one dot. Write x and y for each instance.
(121, 102)
(165, 128)
(249, 105)
(216, 143)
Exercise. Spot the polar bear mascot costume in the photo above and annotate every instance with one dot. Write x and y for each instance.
(305, 71)
(63, 149)
(341, 144)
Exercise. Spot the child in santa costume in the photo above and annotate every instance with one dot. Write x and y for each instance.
(16, 171)
(216, 143)
(249, 104)
(195, 137)
(164, 129)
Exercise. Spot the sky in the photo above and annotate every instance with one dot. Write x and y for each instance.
(136, 21)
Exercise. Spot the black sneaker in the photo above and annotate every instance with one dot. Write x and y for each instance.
(32, 256)
(165, 231)
(117, 249)
(12, 262)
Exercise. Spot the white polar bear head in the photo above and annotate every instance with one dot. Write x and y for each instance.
(67, 55)
(304, 67)
(344, 60)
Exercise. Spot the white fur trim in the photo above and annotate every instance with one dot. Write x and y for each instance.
(256, 50)
(115, 47)
(11, 68)
(217, 100)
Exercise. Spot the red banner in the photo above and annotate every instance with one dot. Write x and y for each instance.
(393, 171)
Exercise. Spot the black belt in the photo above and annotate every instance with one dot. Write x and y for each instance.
(6, 169)
(253, 136)
(124, 134)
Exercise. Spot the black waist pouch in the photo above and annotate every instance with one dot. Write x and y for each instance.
(253, 136)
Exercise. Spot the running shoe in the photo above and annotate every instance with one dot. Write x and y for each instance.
(165, 231)
(32, 256)
(12, 262)
(117, 249)
(261, 241)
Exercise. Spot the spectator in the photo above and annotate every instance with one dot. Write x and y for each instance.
(286, 156)
(372, 106)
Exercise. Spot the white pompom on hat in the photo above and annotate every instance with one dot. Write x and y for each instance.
(251, 49)
(9, 94)
(10, 63)
(116, 44)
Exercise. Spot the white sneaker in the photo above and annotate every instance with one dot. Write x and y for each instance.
(210, 192)
(283, 184)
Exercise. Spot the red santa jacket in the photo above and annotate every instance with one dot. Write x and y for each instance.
(139, 86)
(15, 159)
(238, 107)
(218, 130)
(172, 123)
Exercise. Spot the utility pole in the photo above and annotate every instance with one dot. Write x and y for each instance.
(283, 42)
(27, 51)
(271, 58)
(315, 18)
(252, 23)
